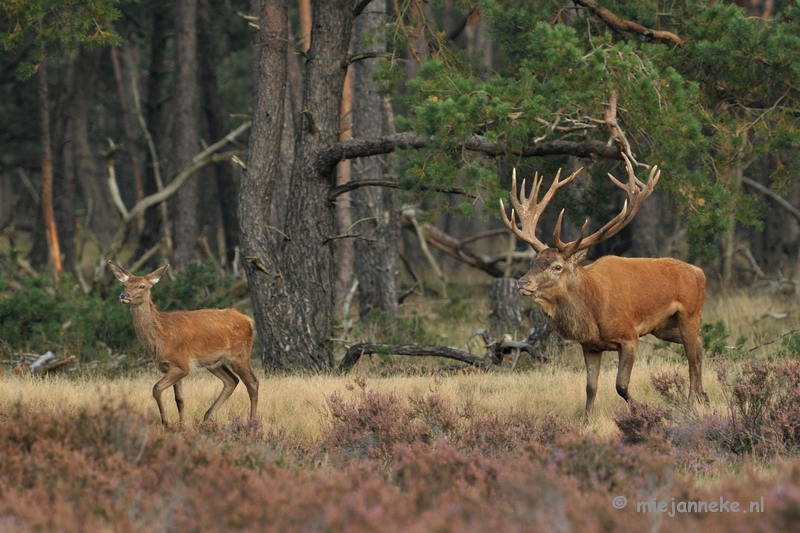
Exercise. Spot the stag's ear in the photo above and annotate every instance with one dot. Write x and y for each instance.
(579, 256)
(119, 272)
(156, 274)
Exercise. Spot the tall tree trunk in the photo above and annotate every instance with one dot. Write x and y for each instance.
(375, 209)
(187, 226)
(91, 181)
(64, 163)
(48, 216)
(227, 186)
(151, 233)
(291, 279)
(344, 249)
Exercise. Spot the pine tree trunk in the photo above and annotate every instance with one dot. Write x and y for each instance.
(151, 233)
(291, 274)
(376, 212)
(227, 187)
(187, 227)
(48, 216)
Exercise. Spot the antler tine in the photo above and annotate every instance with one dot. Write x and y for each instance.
(529, 208)
(637, 193)
(562, 247)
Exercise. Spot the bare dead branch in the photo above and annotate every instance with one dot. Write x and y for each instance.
(327, 158)
(769, 193)
(352, 185)
(626, 25)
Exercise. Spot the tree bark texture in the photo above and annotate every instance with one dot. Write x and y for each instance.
(376, 212)
(187, 227)
(291, 272)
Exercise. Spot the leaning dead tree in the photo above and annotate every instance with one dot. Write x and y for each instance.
(130, 217)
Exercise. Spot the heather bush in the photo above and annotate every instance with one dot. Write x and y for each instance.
(638, 421)
(107, 468)
(764, 406)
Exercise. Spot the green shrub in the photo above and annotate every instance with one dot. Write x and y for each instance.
(58, 316)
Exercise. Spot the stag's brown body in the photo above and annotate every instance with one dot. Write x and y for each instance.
(610, 303)
(219, 340)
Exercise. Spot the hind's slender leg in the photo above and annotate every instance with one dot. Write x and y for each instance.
(229, 381)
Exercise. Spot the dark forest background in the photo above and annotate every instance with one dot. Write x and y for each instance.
(265, 111)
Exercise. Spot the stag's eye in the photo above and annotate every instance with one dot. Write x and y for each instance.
(557, 268)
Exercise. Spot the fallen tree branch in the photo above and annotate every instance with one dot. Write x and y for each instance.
(421, 350)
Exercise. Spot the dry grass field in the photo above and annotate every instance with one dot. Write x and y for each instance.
(296, 402)
(399, 444)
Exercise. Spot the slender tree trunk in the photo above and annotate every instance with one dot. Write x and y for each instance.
(375, 209)
(127, 124)
(150, 235)
(48, 216)
(187, 226)
(226, 183)
(344, 249)
(291, 279)
(64, 163)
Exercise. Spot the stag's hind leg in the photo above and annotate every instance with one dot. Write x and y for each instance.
(229, 381)
(245, 371)
(689, 327)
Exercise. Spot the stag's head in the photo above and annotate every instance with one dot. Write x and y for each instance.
(136, 289)
(553, 267)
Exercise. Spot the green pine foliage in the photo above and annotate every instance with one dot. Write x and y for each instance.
(703, 111)
(56, 28)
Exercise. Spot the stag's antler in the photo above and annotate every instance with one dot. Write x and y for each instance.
(637, 193)
(530, 209)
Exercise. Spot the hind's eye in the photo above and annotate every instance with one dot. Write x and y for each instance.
(141, 286)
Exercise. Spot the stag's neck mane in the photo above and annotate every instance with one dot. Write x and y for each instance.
(571, 312)
(145, 320)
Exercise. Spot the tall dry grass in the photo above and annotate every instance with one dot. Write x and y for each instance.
(297, 403)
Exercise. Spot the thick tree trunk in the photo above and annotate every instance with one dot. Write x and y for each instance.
(291, 283)
(505, 308)
(48, 216)
(375, 209)
(187, 226)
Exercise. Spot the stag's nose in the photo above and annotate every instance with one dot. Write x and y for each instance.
(123, 296)
(523, 283)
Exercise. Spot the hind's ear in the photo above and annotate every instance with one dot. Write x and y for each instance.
(119, 272)
(155, 275)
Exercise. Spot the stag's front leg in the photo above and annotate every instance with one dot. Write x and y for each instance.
(627, 355)
(174, 374)
(592, 360)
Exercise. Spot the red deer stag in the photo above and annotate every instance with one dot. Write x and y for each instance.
(610, 303)
(219, 340)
